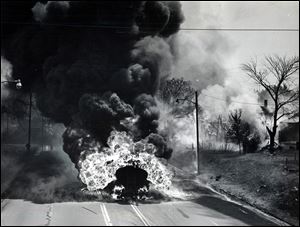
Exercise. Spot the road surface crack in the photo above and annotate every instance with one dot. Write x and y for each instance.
(89, 210)
(183, 214)
(4, 203)
(49, 215)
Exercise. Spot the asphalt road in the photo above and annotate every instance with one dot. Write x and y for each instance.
(204, 208)
(205, 211)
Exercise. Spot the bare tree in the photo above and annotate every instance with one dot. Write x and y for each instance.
(242, 132)
(234, 131)
(173, 89)
(216, 128)
(277, 77)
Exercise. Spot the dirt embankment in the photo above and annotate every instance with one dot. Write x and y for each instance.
(269, 183)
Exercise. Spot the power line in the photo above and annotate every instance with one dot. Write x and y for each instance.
(246, 103)
(243, 29)
(181, 29)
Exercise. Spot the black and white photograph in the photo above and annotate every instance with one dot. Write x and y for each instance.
(149, 113)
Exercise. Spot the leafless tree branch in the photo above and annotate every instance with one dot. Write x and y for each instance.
(281, 69)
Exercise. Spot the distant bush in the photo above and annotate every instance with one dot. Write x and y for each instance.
(242, 133)
(251, 143)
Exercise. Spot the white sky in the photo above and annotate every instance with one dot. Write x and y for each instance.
(243, 14)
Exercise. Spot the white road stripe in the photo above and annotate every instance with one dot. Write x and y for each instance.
(105, 215)
(140, 215)
(214, 223)
(243, 211)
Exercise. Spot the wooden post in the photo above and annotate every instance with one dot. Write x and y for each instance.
(28, 145)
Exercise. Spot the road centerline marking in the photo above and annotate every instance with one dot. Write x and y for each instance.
(105, 215)
(140, 215)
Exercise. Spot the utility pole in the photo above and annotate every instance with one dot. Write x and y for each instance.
(7, 126)
(197, 127)
(197, 132)
(18, 86)
(28, 145)
(42, 133)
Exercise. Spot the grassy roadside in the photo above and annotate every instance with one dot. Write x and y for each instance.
(258, 179)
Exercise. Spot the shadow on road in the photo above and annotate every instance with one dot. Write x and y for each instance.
(233, 210)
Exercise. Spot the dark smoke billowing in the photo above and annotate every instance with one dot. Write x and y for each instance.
(95, 66)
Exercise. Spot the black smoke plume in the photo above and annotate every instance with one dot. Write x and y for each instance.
(93, 65)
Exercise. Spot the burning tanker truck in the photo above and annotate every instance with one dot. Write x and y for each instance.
(96, 67)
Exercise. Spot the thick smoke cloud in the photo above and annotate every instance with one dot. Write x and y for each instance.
(200, 57)
(94, 65)
(77, 140)
(145, 107)
(162, 150)
(103, 114)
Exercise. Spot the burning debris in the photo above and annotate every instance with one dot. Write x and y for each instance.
(105, 165)
(95, 67)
